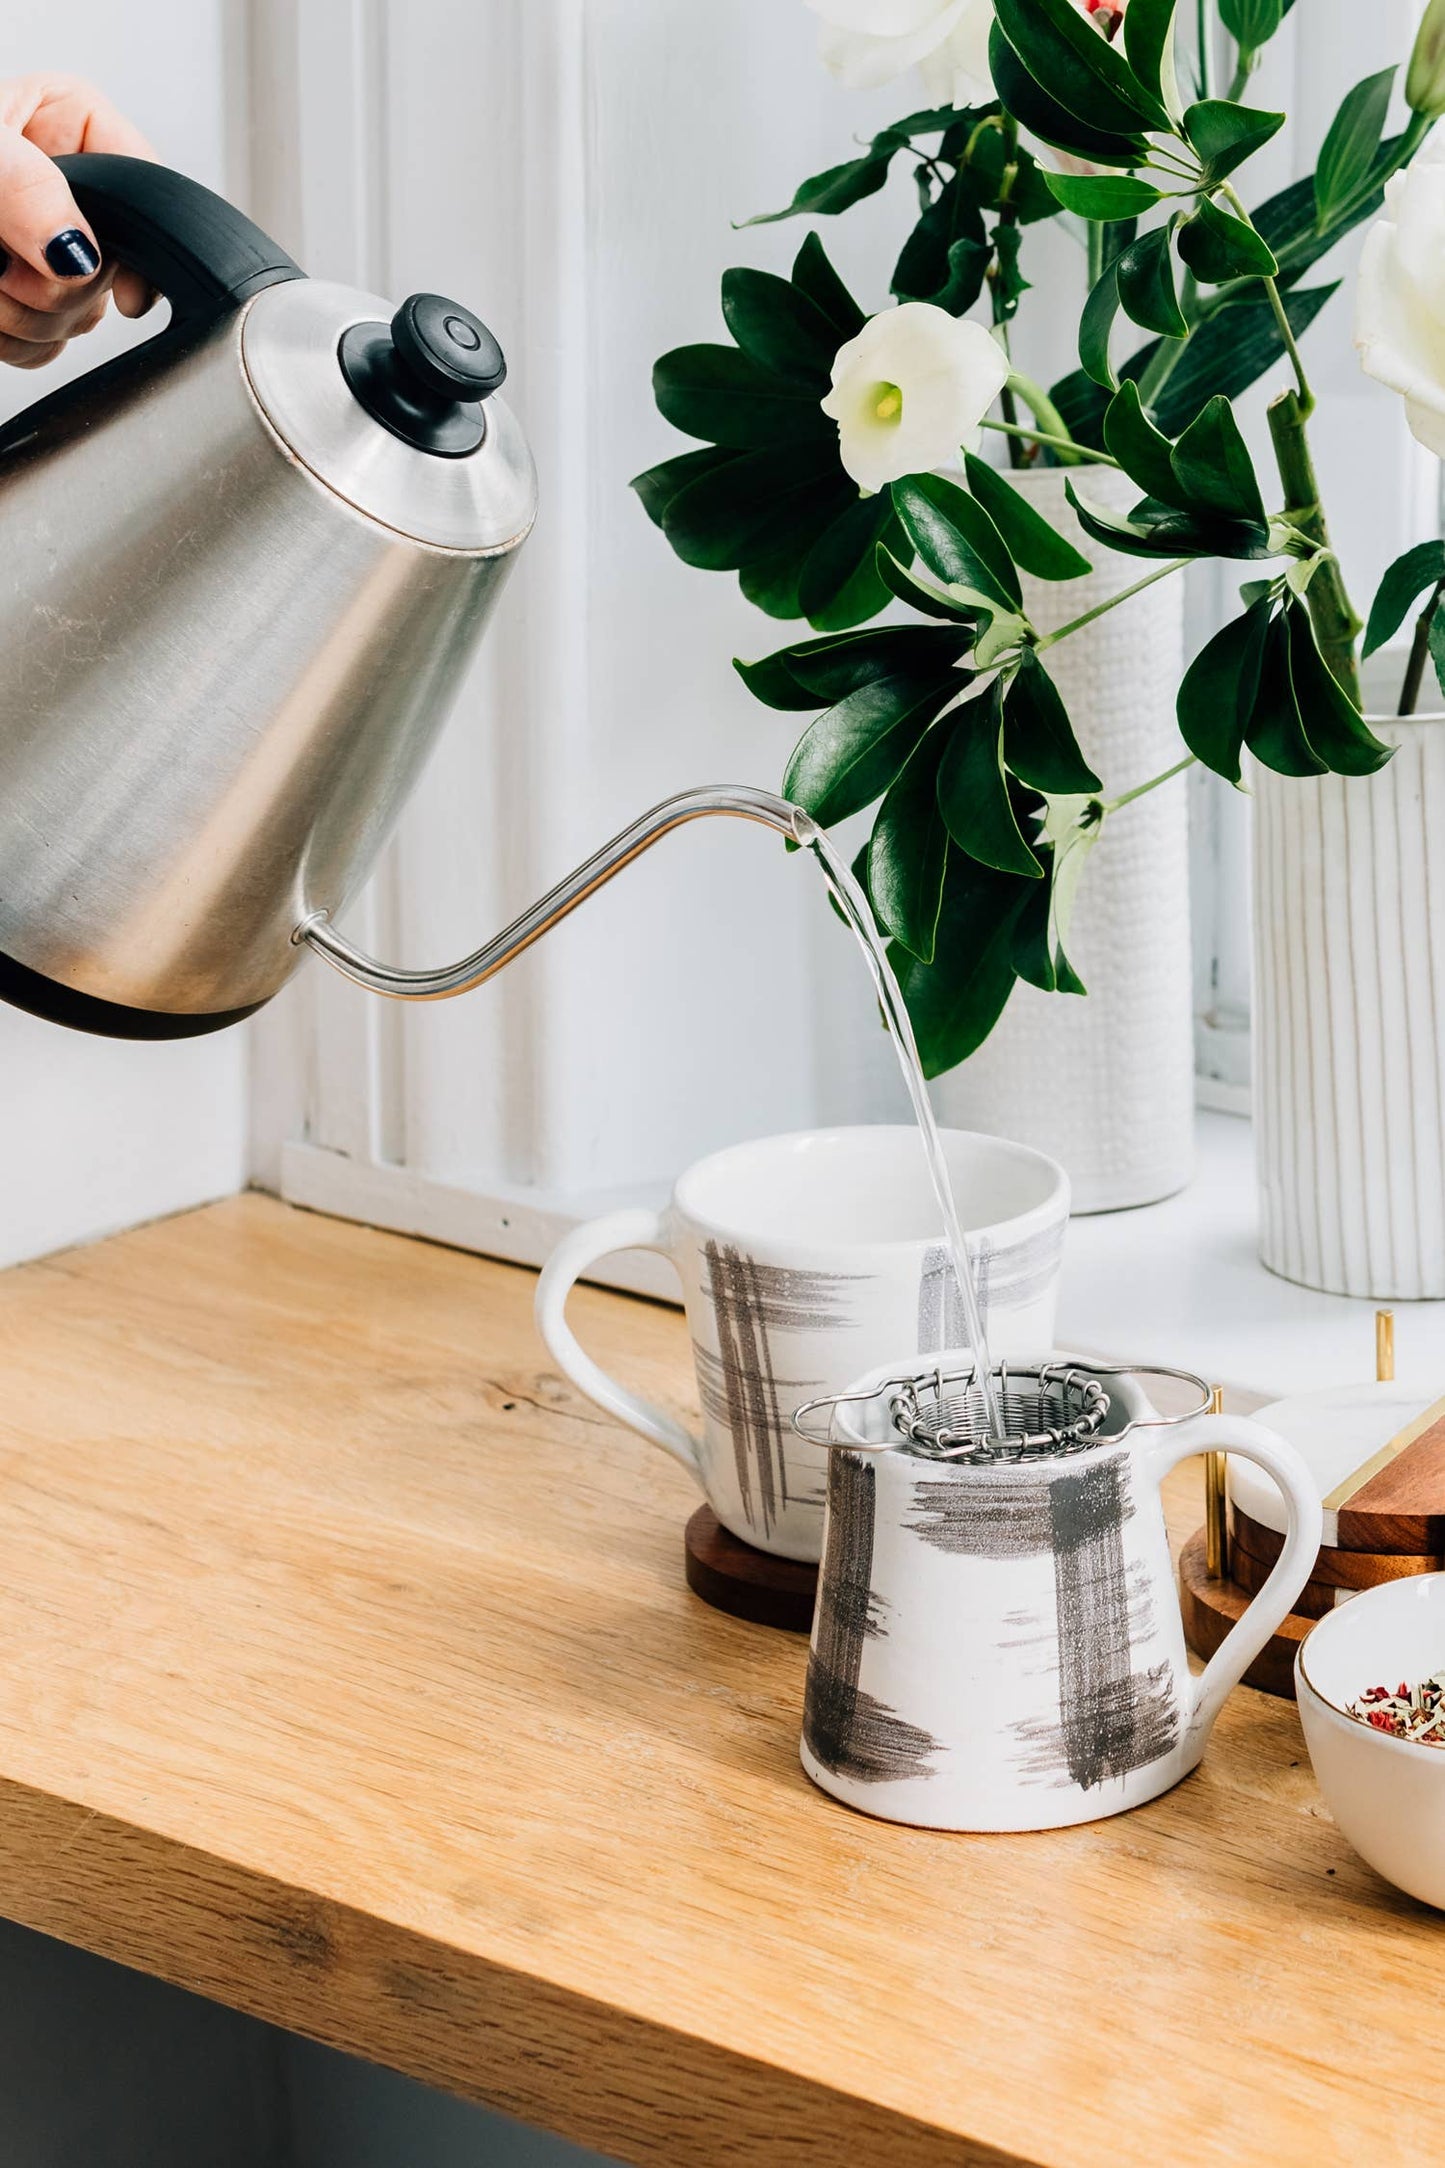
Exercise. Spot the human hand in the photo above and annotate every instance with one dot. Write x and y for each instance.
(53, 285)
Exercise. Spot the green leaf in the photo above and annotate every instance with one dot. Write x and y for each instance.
(1350, 149)
(770, 582)
(1336, 730)
(1033, 951)
(1224, 135)
(1213, 467)
(1103, 197)
(718, 393)
(1274, 732)
(1435, 639)
(1154, 529)
(1145, 273)
(814, 276)
(826, 670)
(1071, 828)
(900, 582)
(1032, 106)
(1145, 455)
(1096, 324)
(776, 324)
(908, 851)
(1038, 738)
(851, 755)
(1081, 70)
(957, 541)
(1031, 542)
(973, 794)
(841, 558)
(944, 259)
(659, 485)
(1218, 690)
(1252, 23)
(756, 501)
(955, 1001)
(1407, 579)
(1218, 246)
(840, 187)
(1148, 32)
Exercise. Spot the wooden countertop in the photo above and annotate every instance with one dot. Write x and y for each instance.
(349, 1677)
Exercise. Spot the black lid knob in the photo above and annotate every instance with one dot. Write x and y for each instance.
(449, 351)
(425, 376)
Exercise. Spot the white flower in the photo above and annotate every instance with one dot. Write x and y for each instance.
(870, 42)
(1400, 298)
(910, 389)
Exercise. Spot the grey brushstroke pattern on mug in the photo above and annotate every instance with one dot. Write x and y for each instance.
(740, 1385)
(1011, 1278)
(1112, 1719)
(846, 1729)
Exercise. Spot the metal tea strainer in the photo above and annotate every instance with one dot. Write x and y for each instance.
(1050, 1410)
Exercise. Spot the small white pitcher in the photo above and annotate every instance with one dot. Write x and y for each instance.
(999, 1646)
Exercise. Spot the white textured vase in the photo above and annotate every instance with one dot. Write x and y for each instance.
(1349, 1021)
(1105, 1084)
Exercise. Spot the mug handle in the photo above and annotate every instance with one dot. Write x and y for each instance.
(574, 1254)
(1279, 1460)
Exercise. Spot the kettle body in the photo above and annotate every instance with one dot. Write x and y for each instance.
(245, 568)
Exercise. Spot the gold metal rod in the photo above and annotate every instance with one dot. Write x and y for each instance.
(1384, 1346)
(1216, 1516)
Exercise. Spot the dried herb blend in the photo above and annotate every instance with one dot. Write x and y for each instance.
(1407, 1712)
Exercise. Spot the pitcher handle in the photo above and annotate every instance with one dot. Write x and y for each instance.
(1279, 1460)
(573, 1256)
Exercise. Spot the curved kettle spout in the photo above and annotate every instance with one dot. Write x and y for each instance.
(738, 800)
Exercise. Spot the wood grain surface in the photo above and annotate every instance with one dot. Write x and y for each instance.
(349, 1677)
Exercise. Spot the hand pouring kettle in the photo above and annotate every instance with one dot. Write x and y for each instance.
(245, 567)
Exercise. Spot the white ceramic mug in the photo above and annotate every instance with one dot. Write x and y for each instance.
(802, 1258)
(1000, 1647)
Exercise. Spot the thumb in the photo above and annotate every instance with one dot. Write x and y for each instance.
(39, 220)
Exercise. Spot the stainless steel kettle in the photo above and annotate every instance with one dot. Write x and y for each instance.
(242, 571)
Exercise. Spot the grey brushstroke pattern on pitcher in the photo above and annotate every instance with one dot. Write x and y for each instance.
(1011, 1279)
(740, 1385)
(846, 1729)
(1112, 1719)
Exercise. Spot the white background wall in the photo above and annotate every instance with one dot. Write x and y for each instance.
(95, 1135)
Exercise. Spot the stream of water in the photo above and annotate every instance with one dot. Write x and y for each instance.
(854, 906)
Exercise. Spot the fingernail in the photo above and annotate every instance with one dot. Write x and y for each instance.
(71, 256)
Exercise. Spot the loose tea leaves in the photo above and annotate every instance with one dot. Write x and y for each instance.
(1409, 1712)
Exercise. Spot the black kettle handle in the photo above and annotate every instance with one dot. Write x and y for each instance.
(198, 250)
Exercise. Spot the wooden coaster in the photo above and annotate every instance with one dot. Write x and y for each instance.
(1211, 1607)
(746, 1583)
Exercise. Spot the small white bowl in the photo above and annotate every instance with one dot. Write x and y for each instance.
(1387, 1795)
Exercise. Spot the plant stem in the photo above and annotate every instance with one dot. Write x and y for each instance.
(1240, 82)
(1056, 444)
(1330, 607)
(1201, 33)
(1141, 790)
(1052, 429)
(1281, 314)
(1419, 650)
(1100, 609)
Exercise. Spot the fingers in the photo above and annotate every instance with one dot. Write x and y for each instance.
(51, 285)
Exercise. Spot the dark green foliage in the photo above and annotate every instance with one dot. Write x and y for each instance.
(1262, 682)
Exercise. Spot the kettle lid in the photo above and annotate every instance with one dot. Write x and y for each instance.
(396, 411)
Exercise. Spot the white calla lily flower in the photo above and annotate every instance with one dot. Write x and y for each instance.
(1400, 297)
(870, 42)
(910, 389)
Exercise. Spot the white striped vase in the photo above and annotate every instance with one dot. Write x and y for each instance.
(1349, 1021)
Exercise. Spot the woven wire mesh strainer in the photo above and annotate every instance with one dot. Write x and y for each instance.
(1050, 1410)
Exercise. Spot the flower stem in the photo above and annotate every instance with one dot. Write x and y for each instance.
(1141, 790)
(1201, 39)
(1281, 314)
(1419, 650)
(1100, 609)
(1330, 608)
(1055, 444)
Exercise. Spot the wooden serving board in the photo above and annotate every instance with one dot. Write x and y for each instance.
(1400, 1507)
(1211, 1608)
(1334, 1568)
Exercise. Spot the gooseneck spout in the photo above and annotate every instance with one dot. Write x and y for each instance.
(738, 800)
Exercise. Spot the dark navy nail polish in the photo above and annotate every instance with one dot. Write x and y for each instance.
(71, 256)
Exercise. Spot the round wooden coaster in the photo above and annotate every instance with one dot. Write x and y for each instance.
(746, 1583)
(1211, 1607)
